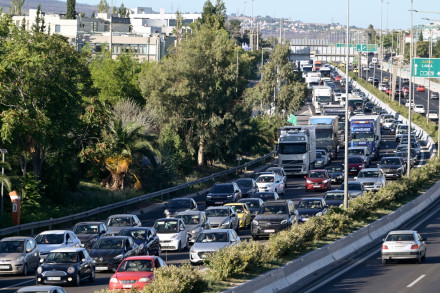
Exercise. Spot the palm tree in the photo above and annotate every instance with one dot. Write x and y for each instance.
(125, 141)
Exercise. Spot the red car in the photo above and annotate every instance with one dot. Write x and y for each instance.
(355, 164)
(318, 180)
(420, 88)
(388, 91)
(405, 89)
(135, 272)
(338, 78)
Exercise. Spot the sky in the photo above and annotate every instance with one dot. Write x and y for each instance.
(362, 12)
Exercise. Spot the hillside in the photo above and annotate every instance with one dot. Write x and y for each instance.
(50, 6)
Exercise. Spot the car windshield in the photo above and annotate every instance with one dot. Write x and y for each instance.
(334, 170)
(318, 156)
(400, 237)
(390, 161)
(136, 234)
(272, 210)
(217, 212)
(62, 257)
(252, 203)
(190, 219)
(355, 160)
(352, 186)
(109, 243)
(323, 134)
(11, 246)
(363, 136)
(369, 174)
(119, 222)
(334, 196)
(179, 204)
(244, 182)
(222, 188)
(292, 148)
(213, 237)
(356, 152)
(85, 229)
(310, 204)
(49, 239)
(265, 195)
(166, 226)
(403, 155)
(238, 208)
(317, 175)
(265, 178)
(136, 265)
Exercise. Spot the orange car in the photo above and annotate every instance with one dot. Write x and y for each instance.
(420, 88)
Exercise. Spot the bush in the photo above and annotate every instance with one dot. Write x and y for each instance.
(184, 279)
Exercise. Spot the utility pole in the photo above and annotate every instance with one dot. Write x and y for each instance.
(411, 90)
(347, 78)
(3, 151)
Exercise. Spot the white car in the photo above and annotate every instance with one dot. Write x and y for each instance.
(172, 234)
(419, 109)
(387, 123)
(270, 182)
(371, 178)
(403, 244)
(325, 156)
(412, 104)
(433, 115)
(54, 239)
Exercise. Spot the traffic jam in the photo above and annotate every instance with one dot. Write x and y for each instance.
(306, 181)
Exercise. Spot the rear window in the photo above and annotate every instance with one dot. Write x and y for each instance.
(400, 237)
(355, 160)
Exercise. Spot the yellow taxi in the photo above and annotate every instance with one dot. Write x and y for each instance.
(243, 212)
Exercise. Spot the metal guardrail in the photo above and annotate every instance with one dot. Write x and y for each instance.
(51, 222)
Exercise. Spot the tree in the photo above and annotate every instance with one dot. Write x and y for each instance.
(71, 9)
(371, 34)
(15, 7)
(122, 11)
(103, 6)
(212, 16)
(39, 25)
(199, 90)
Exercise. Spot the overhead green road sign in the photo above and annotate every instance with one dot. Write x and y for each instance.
(292, 119)
(425, 67)
(342, 45)
(366, 47)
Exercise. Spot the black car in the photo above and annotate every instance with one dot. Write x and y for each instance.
(67, 265)
(311, 207)
(336, 174)
(267, 195)
(108, 252)
(179, 205)
(254, 205)
(90, 232)
(335, 198)
(274, 216)
(248, 186)
(223, 193)
(392, 167)
(146, 238)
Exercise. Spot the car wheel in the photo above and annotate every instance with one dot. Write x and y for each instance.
(424, 256)
(187, 244)
(77, 280)
(384, 261)
(179, 247)
(92, 276)
(25, 270)
(307, 190)
(254, 237)
(419, 259)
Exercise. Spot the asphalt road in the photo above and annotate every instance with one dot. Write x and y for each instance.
(295, 191)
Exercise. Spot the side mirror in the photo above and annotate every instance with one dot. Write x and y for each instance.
(83, 260)
(305, 177)
(182, 229)
(29, 250)
(355, 178)
(41, 260)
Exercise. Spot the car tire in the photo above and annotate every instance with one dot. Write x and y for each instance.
(384, 261)
(77, 280)
(179, 247)
(187, 244)
(419, 259)
(25, 270)
(255, 237)
(424, 256)
(92, 276)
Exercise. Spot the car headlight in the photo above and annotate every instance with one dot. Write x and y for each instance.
(174, 236)
(318, 214)
(284, 222)
(229, 195)
(118, 257)
(113, 280)
(379, 182)
(255, 222)
(143, 280)
(269, 185)
(195, 230)
(39, 270)
(166, 212)
(226, 223)
(20, 258)
(71, 270)
(309, 181)
(325, 181)
(208, 197)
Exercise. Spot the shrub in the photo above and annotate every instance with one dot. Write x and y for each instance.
(184, 279)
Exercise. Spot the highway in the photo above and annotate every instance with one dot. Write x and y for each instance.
(294, 191)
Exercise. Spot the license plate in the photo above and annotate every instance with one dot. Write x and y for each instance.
(218, 202)
(4, 267)
(353, 169)
(269, 231)
(316, 186)
(54, 278)
(101, 268)
(127, 286)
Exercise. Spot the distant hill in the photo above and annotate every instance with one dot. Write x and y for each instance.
(50, 6)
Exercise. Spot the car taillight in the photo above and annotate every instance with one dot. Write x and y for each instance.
(384, 247)
(414, 246)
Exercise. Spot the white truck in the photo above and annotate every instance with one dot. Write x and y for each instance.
(297, 149)
(321, 95)
(313, 79)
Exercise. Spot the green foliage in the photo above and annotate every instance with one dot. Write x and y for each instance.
(103, 6)
(31, 191)
(184, 279)
(71, 9)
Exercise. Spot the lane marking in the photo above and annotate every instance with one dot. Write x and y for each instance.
(415, 281)
(16, 285)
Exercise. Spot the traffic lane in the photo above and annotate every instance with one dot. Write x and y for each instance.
(372, 276)
(13, 283)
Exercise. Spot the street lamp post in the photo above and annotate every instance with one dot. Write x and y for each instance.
(3, 151)
(381, 43)
(408, 171)
(346, 109)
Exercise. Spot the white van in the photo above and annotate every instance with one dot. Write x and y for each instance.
(401, 129)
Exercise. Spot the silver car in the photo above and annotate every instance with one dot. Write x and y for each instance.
(42, 289)
(371, 178)
(18, 255)
(116, 223)
(403, 244)
(222, 218)
(211, 241)
(195, 223)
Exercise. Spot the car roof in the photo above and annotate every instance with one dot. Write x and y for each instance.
(276, 202)
(181, 199)
(234, 204)
(394, 157)
(217, 207)
(370, 169)
(16, 238)
(358, 147)
(89, 223)
(121, 215)
(217, 230)
(318, 170)
(137, 228)
(311, 198)
(250, 198)
(54, 232)
(68, 249)
(38, 288)
(402, 231)
(140, 257)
